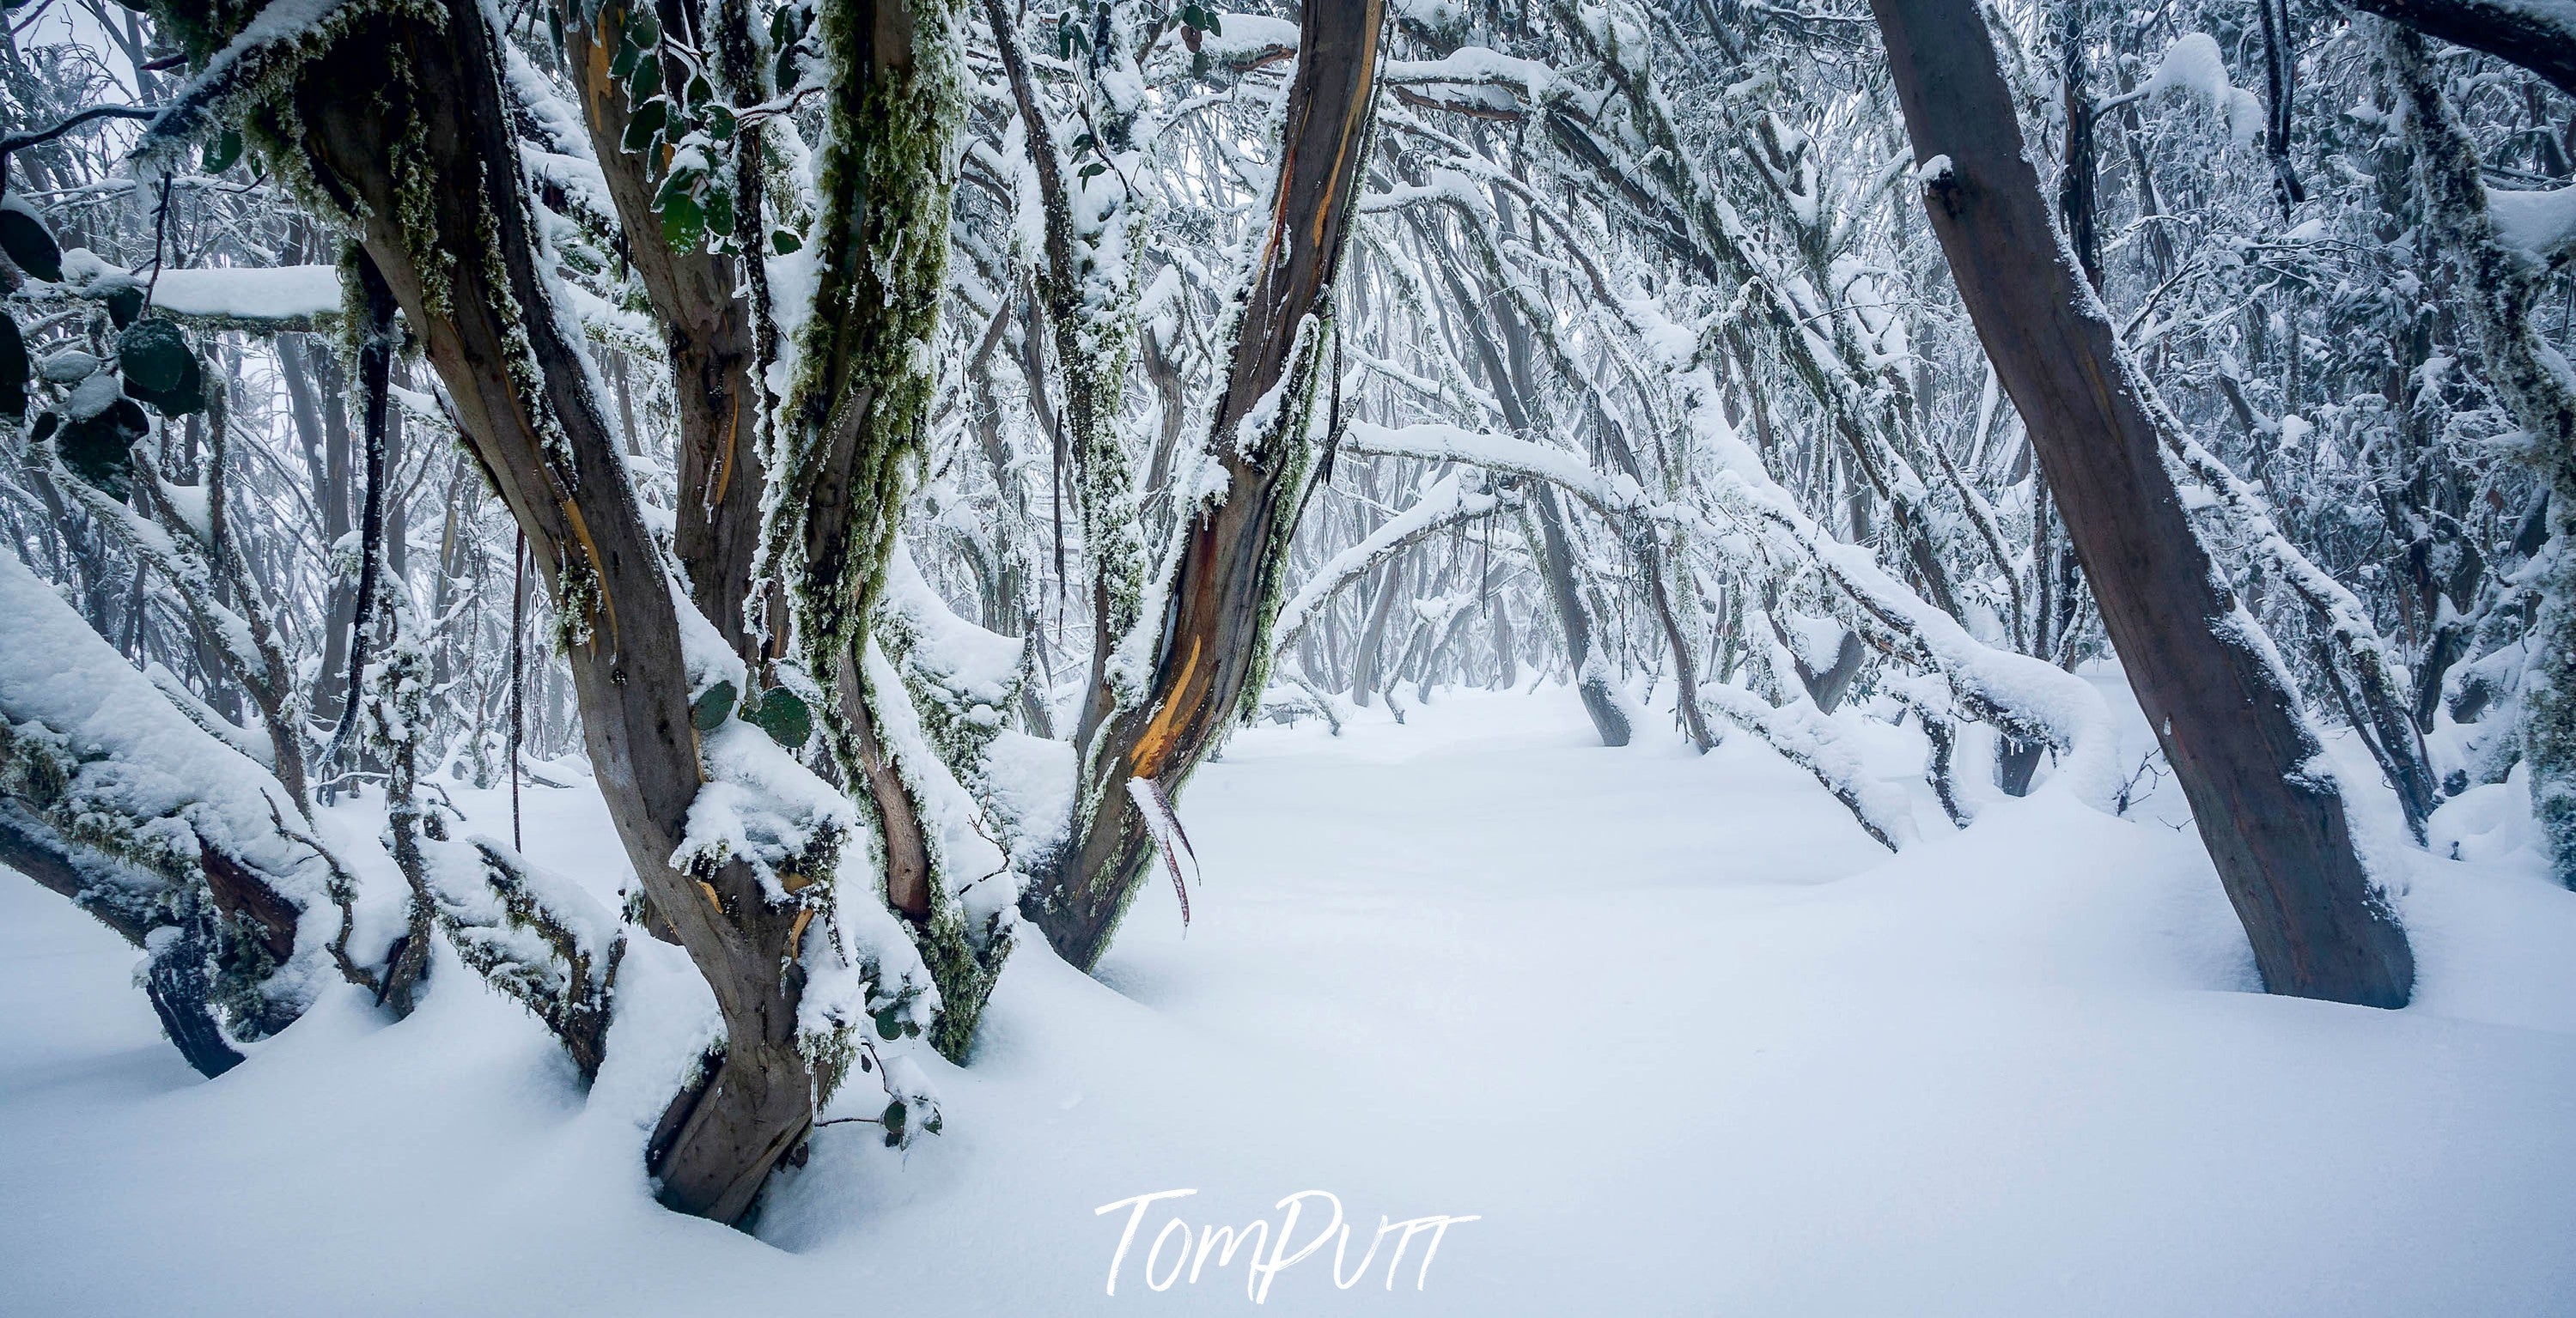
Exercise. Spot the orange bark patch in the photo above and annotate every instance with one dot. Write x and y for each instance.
(1155, 745)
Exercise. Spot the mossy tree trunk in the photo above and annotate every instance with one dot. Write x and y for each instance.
(708, 325)
(403, 125)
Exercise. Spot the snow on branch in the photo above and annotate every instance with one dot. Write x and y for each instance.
(1447, 503)
(261, 300)
(167, 827)
(2193, 66)
(1441, 442)
(536, 937)
(2023, 695)
(281, 36)
(2542, 223)
(1806, 736)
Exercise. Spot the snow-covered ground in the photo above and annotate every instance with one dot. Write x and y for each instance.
(1676, 1035)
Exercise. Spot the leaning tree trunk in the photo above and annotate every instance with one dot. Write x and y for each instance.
(1234, 554)
(2221, 707)
(1591, 673)
(1364, 656)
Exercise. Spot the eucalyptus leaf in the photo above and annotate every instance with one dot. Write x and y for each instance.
(783, 715)
(684, 223)
(645, 125)
(223, 151)
(97, 447)
(154, 354)
(180, 399)
(15, 368)
(720, 212)
(124, 304)
(67, 366)
(713, 707)
(29, 241)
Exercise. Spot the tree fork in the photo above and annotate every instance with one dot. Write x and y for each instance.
(404, 126)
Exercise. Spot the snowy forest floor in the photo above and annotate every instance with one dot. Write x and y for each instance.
(1678, 1034)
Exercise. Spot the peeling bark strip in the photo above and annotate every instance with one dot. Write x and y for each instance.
(1169, 838)
(1234, 553)
(2274, 823)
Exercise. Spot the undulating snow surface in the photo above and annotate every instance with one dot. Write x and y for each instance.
(1677, 1035)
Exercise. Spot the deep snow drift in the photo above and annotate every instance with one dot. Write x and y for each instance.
(1671, 1029)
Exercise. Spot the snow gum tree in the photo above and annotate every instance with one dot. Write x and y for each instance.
(884, 447)
(2272, 815)
(401, 118)
(1200, 650)
(2503, 283)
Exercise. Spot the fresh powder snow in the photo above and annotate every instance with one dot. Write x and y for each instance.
(1672, 1030)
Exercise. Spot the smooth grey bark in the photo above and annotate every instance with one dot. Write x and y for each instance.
(1557, 572)
(313, 393)
(1508, 362)
(1364, 655)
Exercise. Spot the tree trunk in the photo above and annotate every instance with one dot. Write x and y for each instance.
(706, 316)
(2224, 713)
(446, 220)
(313, 401)
(1234, 556)
(1373, 633)
(1582, 648)
(1506, 354)
(375, 363)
